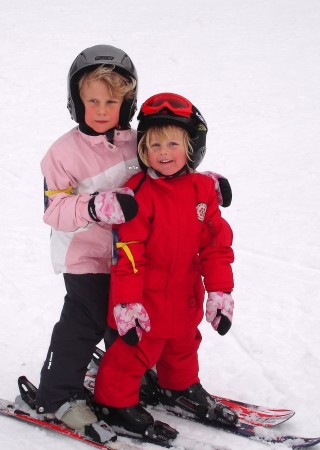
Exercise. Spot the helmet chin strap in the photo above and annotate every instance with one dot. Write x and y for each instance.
(84, 128)
(180, 172)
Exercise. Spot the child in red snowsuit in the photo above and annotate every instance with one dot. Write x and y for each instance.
(157, 293)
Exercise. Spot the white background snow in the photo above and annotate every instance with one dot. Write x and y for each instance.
(252, 67)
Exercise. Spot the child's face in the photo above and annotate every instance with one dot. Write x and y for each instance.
(101, 110)
(167, 155)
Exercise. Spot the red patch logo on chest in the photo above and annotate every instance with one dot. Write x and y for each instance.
(201, 211)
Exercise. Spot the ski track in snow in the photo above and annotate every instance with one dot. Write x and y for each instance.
(252, 67)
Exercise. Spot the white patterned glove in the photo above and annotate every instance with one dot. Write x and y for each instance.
(222, 187)
(219, 311)
(114, 206)
(131, 319)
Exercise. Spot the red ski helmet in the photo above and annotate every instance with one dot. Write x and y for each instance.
(173, 109)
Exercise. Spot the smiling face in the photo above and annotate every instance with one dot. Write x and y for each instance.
(101, 110)
(167, 151)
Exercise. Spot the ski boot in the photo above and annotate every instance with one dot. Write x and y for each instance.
(197, 403)
(137, 421)
(150, 389)
(75, 414)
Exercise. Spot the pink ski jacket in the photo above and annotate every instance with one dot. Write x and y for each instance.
(76, 166)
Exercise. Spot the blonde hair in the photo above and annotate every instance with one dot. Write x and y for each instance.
(163, 131)
(118, 85)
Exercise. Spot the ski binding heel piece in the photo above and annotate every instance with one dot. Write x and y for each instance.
(222, 414)
(160, 432)
(149, 389)
(100, 432)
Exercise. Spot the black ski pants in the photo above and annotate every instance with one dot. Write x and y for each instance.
(81, 327)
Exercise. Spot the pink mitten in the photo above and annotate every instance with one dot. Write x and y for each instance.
(222, 187)
(131, 319)
(114, 206)
(219, 311)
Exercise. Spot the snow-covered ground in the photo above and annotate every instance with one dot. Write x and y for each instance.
(252, 67)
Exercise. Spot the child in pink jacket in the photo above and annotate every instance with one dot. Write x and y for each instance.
(83, 171)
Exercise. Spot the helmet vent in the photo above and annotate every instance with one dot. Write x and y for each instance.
(90, 59)
(104, 58)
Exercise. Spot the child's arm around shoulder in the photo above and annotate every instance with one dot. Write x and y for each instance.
(216, 254)
(222, 187)
(67, 208)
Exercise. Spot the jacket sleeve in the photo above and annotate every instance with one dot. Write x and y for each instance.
(66, 210)
(216, 254)
(127, 275)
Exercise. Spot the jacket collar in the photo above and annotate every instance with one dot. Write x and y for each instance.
(155, 174)
(102, 139)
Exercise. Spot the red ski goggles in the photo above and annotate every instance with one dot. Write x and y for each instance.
(174, 102)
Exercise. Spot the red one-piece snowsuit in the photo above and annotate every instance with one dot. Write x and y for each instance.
(177, 237)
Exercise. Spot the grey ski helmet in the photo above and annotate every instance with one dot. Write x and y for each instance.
(88, 60)
(173, 109)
